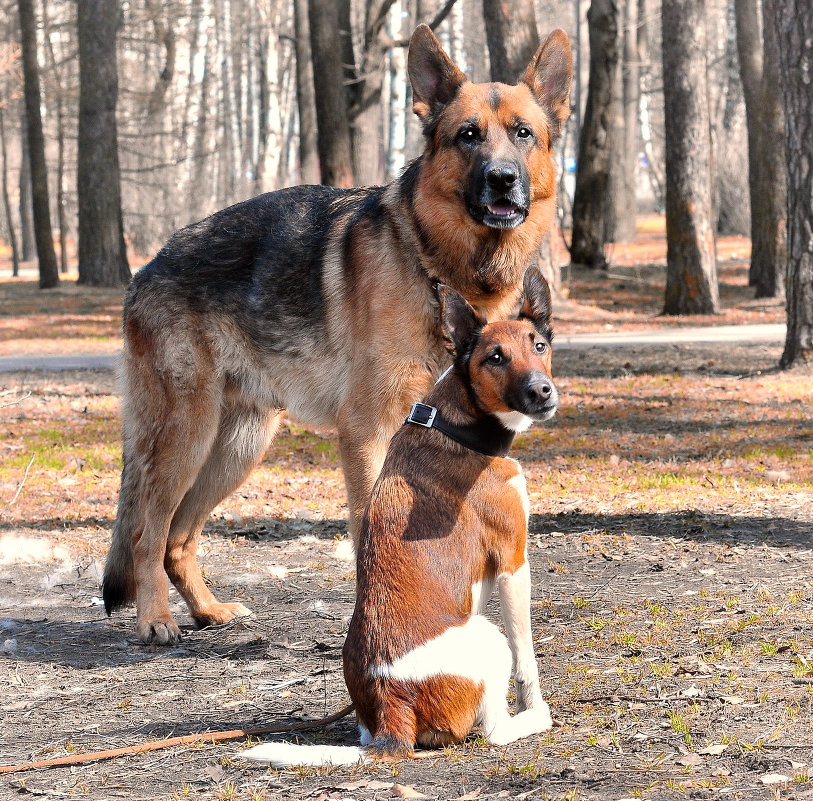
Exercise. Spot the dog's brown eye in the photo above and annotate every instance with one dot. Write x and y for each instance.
(467, 134)
(540, 347)
(496, 358)
(524, 133)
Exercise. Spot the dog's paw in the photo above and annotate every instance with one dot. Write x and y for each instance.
(218, 613)
(158, 632)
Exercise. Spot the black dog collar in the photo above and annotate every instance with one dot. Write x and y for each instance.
(487, 436)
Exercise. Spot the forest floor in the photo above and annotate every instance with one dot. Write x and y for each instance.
(671, 549)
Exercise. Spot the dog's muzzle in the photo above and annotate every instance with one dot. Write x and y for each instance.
(501, 196)
(537, 398)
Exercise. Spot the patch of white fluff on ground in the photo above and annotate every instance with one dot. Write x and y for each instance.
(344, 551)
(19, 550)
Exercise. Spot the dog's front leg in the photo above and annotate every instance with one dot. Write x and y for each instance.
(363, 445)
(515, 608)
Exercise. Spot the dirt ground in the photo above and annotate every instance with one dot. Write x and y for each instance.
(671, 550)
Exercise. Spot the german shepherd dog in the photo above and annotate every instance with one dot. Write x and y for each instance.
(320, 301)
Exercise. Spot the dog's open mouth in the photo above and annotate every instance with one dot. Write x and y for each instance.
(499, 214)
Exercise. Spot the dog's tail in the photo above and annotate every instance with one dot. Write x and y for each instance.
(118, 583)
(287, 755)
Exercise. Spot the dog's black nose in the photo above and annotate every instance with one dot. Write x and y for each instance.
(502, 175)
(538, 391)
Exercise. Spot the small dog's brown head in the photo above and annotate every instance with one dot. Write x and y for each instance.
(506, 364)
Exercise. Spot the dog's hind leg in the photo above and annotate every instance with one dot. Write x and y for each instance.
(118, 584)
(243, 436)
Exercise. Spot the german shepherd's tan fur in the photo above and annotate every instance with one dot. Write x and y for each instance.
(320, 301)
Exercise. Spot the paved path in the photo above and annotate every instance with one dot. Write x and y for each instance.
(774, 333)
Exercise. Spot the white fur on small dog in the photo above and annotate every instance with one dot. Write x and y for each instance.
(284, 755)
(514, 421)
(459, 651)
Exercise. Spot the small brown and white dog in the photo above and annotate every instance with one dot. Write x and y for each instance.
(446, 522)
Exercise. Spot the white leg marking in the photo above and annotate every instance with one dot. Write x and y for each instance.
(515, 608)
(496, 722)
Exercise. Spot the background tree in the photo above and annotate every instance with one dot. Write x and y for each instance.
(794, 29)
(10, 232)
(306, 103)
(102, 252)
(767, 184)
(691, 267)
(596, 137)
(49, 275)
(333, 123)
(619, 223)
(28, 248)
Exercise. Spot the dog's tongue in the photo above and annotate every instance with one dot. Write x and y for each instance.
(502, 209)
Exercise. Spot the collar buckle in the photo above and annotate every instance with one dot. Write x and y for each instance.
(422, 415)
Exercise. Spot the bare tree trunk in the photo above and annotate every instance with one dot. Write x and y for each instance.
(794, 30)
(49, 274)
(595, 140)
(333, 138)
(305, 101)
(102, 251)
(620, 222)
(60, 143)
(767, 183)
(28, 249)
(691, 267)
(496, 21)
(12, 236)
(367, 133)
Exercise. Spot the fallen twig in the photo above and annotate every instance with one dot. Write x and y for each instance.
(156, 745)
(15, 402)
(20, 488)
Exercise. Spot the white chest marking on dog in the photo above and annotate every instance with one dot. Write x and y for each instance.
(459, 651)
(514, 421)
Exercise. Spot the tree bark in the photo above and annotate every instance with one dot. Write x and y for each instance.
(767, 183)
(102, 251)
(622, 200)
(333, 136)
(60, 143)
(305, 101)
(794, 30)
(691, 267)
(367, 130)
(12, 236)
(28, 249)
(595, 139)
(496, 22)
(48, 271)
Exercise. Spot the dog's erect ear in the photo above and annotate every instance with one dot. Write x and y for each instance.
(434, 76)
(458, 320)
(549, 75)
(536, 303)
